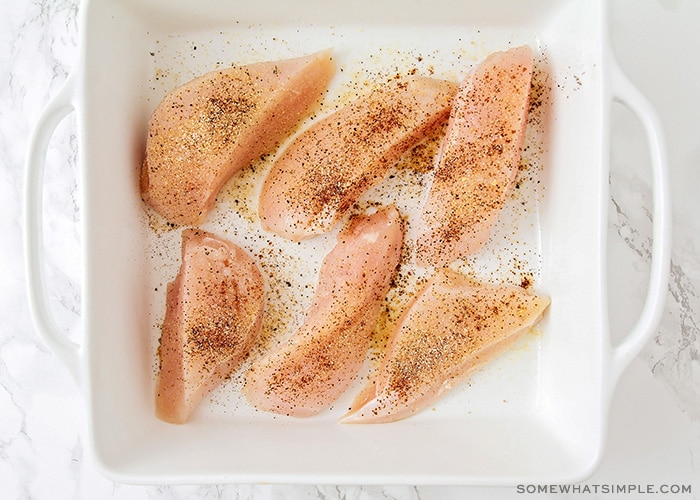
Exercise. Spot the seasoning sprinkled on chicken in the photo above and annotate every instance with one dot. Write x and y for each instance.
(213, 318)
(479, 158)
(320, 360)
(326, 169)
(205, 131)
(452, 328)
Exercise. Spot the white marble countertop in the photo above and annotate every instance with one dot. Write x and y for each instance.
(654, 430)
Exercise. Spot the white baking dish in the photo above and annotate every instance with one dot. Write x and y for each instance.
(536, 415)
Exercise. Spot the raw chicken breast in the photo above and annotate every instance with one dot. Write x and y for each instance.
(328, 167)
(452, 328)
(213, 317)
(321, 359)
(479, 158)
(207, 130)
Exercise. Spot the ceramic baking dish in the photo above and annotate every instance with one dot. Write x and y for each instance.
(536, 415)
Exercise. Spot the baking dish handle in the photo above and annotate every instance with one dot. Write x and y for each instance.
(57, 109)
(625, 93)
